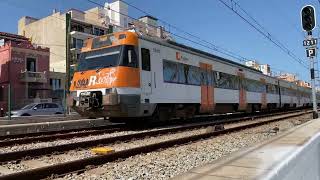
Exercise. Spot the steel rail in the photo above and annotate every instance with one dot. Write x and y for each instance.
(68, 134)
(82, 164)
(46, 133)
(19, 155)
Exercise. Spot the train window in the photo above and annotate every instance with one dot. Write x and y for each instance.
(145, 56)
(210, 78)
(213, 78)
(254, 86)
(276, 89)
(181, 74)
(170, 72)
(194, 75)
(98, 59)
(203, 77)
(186, 72)
(129, 57)
(272, 89)
(226, 81)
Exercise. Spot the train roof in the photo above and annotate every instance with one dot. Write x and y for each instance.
(211, 55)
(182, 46)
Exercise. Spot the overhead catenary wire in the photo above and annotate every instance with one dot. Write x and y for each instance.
(194, 36)
(214, 47)
(262, 30)
(209, 45)
(239, 57)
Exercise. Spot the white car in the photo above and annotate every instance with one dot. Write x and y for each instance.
(38, 109)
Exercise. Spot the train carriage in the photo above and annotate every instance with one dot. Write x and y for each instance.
(125, 75)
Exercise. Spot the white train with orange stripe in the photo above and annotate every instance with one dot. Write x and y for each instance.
(125, 75)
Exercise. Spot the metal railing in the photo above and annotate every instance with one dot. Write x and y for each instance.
(29, 76)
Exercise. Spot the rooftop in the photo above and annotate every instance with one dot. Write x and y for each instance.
(148, 16)
(15, 37)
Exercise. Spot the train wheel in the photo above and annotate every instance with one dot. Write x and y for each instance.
(190, 111)
(162, 114)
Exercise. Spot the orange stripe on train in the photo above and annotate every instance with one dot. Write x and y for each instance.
(106, 78)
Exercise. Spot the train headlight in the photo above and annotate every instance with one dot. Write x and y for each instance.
(114, 91)
(73, 94)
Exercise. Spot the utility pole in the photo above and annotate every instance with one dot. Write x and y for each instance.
(308, 20)
(67, 81)
(9, 89)
(314, 99)
(9, 99)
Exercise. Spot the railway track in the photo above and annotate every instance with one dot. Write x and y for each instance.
(11, 140)
(35, 152)
(53, 133)
(80, 165)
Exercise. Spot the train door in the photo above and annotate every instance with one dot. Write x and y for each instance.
(242, 92)
(264, 102)
(279, 93)
(146, 75)
(207, 90)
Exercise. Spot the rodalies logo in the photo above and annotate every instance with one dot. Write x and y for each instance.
(81, 83)
(103, 78)
(106, 78)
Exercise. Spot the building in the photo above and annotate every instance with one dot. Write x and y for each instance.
(287, 77)
(303, 83)
(264, 68)
(117, 19)
(253, 64)
(50, 31)
(26, 68)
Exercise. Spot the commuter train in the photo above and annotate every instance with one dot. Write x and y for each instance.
(126, 75)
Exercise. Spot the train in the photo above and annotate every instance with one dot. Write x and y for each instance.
(127, 76)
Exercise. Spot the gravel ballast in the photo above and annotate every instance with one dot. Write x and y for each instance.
(170, 162)
(167, 163)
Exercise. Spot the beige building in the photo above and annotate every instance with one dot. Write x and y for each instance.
(50, 31)
(264, 68)
(288, 77)
(253, 64)
(303, 83)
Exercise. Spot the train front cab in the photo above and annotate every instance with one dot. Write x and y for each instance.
(108, 79)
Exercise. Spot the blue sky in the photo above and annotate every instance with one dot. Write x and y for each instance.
(207, 19)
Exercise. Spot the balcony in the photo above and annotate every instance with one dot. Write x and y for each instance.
(81, 35)
(35, 77)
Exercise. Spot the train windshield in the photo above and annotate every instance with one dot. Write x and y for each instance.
(108, 57)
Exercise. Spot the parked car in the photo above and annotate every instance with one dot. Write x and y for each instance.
(36, 109)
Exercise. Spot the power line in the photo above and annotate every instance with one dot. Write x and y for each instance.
(187, 33)
(262, 31)
(177, 28)
(214, 47)
(291, 23)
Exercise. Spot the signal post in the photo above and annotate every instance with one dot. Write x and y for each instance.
(308, 20)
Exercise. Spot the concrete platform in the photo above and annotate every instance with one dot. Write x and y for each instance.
(51, 126)
(292, 155)
(37, 119)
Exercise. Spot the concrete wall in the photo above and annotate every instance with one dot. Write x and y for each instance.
(303, 164)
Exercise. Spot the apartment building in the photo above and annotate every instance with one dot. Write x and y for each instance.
(26, 68)
(50, 31)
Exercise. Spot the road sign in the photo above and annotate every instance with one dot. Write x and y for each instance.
(311, 52)
(310, 42)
